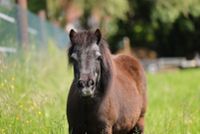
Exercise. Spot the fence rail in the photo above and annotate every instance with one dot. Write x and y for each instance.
(169, 63)
(7, 50)
(18, 26)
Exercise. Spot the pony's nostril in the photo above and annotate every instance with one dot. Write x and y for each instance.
(90, 83)
(81, 83)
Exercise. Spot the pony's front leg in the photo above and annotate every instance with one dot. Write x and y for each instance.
(106, 130)
(76, 130)
(139, 127)
(102, 130)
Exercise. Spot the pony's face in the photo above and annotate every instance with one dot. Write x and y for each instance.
(85, 56)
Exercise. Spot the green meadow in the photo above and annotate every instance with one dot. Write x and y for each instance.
(34, 87)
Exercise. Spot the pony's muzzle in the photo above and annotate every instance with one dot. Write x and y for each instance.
(83, 84)
(87, 92)
(86, 87)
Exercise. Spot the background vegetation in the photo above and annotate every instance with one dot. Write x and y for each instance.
(171, 28)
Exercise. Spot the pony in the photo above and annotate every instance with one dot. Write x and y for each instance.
(108, 92)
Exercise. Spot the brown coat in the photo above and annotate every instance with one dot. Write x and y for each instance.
(120, 106)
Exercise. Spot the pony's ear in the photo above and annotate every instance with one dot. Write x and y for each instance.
(98, 35)
(72, 34)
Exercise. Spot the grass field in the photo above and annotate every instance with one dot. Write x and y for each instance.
(33, 93)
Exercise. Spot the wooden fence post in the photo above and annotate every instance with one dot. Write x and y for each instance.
(43, 37)
(22, 21)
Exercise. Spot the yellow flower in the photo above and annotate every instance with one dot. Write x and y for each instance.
(39, 113)
(27, 121)
(12, 86)
(17, 117)
(13, 78)
(2, 84)
(21, 106)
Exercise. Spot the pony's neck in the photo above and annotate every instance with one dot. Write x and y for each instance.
(106, 67)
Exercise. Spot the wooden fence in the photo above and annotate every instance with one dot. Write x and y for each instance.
(170, 63)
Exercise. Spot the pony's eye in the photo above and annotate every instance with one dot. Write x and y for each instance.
(98, 55)
(74, 56)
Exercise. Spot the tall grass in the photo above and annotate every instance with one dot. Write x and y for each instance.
(33, 93)
(174, 103)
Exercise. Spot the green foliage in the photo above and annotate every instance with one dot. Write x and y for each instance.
(168, 11)
(169, 27)
(109, 11)
(36, 5)
(112, 8)
(54, 10)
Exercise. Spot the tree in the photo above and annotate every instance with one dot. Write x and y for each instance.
(109, 11)
(169, 27)
(34, 7)
(178, 25)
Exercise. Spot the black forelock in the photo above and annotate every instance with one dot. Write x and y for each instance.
(84, 38)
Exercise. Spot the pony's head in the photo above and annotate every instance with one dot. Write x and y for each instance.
(85, 55)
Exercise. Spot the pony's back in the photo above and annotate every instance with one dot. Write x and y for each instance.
(131, 68)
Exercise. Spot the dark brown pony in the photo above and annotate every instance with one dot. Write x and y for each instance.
(108, 93)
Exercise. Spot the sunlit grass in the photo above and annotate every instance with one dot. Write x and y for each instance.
(174, 103)
(33, 92)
